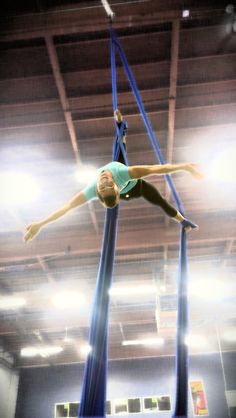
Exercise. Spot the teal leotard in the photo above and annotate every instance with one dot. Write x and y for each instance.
(120, 175)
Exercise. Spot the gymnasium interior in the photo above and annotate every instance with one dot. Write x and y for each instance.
(56, 129)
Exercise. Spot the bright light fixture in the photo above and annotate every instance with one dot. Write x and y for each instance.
(29, 352)
(185, 13)
(11, 302)
(85, 349)
(50, 350)
(209, 289)
(44, 351)
(230, 335)
(68, 340)
(85, 174)
(69, 300)
(223, 167)
(145, 341)
(132, 290)
(17, 188)
(195, 341)
(107, 8)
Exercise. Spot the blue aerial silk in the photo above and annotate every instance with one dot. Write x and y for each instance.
(93, 398)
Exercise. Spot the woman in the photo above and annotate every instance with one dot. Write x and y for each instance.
(116, 181)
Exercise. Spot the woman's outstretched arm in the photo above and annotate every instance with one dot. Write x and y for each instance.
(139, 171)
(34, 228)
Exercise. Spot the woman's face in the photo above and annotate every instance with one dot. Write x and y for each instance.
(106, 186)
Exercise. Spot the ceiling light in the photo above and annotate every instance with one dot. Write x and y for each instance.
(17, 188)
(29, 352)
(107, 8)
(185, 13)
(133, 290)
(47, 351)
(195, 341)
(67, 340)
(85, 349)
(44, 351)
(209, 289)
(10, 302)
(85, 174)
(223, 167)
(145, 341)
(230, 335)
(69, 300)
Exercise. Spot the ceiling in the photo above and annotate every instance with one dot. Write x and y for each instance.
(56, 116)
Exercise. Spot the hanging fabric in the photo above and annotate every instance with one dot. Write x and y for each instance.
(181, 402)
(93, 398)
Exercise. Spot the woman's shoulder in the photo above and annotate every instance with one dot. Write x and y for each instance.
(115, 165)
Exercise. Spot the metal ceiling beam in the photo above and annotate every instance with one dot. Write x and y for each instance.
(60, 322)
(227, 251)
(67, 113)
(210, 90)
(54, 243)
(81, 20)
(172, 98)
(62, 94)
(173, 88)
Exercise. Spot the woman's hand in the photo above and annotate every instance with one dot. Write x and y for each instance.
(32, 230)
(118, 116)
(194, 170)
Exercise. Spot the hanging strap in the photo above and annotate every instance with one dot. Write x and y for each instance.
(181, 404)
(93, 397)
(147, 122)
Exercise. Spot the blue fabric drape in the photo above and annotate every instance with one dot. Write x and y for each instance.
(94, 382)
(181, 403)
(93, 397)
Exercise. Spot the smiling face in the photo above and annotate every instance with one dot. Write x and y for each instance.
(107, 190)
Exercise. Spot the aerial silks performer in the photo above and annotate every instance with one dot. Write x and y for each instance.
(114, 182)
(117, 181)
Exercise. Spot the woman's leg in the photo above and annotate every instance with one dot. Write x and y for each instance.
(152, 195)
(120, 158)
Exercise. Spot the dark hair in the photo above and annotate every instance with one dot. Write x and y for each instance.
(110, 200)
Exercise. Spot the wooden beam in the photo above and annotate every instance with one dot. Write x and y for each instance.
(60, 22)
(67, 113)
(53, 242)
(172, 98)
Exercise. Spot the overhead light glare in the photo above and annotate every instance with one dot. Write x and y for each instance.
(185, 13)
(195, 341)
(208, 289)
(11, 302)
(223, 168)
(145, 341)
(107, 9)
(230, 335)
(86, 174)
(133, 290)
(85, 349)
(69, 300)
(17, 188)
(44, 351)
